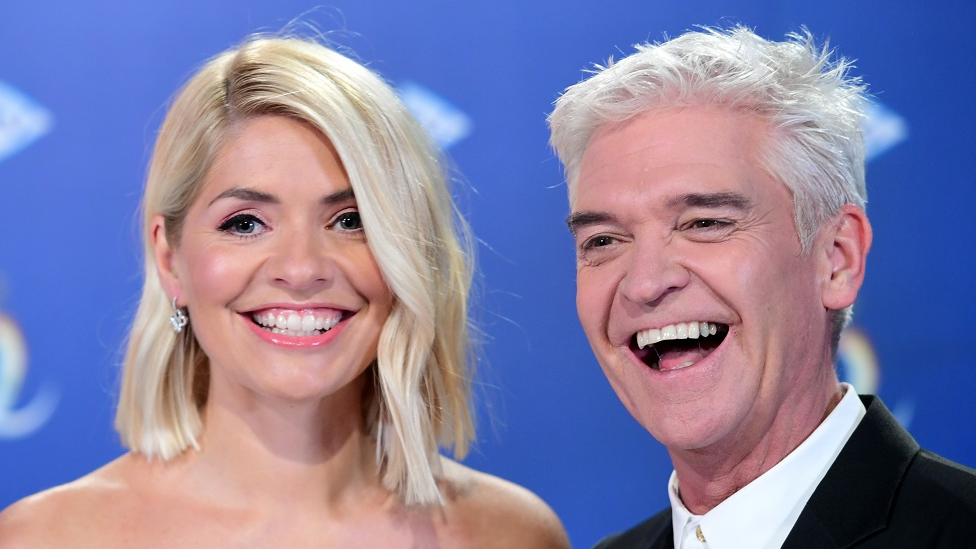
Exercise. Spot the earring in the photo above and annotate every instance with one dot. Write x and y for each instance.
(179, 319)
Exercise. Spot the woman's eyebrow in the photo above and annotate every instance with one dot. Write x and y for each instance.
(244, 193)
(251, 195)
(344, 195)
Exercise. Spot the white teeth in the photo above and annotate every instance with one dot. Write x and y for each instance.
(296, 324)
(681, 330)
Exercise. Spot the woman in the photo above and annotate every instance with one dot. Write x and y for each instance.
(300, 350)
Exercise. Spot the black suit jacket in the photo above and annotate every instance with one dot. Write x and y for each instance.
(883, 491)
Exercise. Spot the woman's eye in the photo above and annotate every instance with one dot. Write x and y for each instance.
(243, 225)
(349, 221)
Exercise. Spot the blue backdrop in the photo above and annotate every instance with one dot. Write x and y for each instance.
(83, 87)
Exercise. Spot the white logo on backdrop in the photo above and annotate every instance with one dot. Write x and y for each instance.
(19, 422)
(883, 129)
(445, 123)
(22, 121)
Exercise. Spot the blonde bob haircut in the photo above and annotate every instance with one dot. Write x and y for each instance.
(419, 397)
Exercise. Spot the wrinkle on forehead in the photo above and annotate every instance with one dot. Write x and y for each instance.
(652, 151)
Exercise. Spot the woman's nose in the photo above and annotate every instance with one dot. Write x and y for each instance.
(301, 262)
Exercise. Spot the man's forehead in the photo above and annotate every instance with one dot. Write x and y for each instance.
(670, 156)
(676, 129)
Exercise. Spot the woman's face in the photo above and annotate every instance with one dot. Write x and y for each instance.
(283, 292)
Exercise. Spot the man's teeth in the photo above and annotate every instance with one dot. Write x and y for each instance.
(681, 330)
(296, 324)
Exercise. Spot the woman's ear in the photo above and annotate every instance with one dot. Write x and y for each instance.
(163, 251)
(846, 246)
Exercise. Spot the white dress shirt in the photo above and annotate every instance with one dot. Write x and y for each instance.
(763, 512)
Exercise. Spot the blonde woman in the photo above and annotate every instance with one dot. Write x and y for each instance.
(300, 352)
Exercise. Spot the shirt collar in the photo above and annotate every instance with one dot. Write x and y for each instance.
(763, 512)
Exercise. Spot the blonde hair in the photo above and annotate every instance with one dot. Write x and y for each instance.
(421, 372)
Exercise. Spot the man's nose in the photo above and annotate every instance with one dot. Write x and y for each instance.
(654, 270)
(302, 262)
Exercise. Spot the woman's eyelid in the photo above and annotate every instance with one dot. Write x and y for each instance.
(344, 214)
(228, 224)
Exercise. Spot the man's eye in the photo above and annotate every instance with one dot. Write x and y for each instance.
(600, 241)
(707, 223)
(349, 221)
(243, 225)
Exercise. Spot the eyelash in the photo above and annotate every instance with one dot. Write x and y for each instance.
(233, 224)
(346, 215)
(713, 224)
(701, 224)
(591, 243)
(234, 221)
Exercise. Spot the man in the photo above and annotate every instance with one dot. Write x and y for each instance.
(716, 183)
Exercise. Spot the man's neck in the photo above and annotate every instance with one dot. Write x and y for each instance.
(708, 476)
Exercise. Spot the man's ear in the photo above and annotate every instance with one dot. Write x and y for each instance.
(163, 251)
(846, 245)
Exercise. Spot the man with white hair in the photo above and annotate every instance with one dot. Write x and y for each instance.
(716, 187)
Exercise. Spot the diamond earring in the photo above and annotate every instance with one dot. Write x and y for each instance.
(179, 320)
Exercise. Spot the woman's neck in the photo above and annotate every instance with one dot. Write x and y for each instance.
(264, 448)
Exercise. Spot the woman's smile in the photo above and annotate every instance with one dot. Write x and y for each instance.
(273, 258)
(298, 328)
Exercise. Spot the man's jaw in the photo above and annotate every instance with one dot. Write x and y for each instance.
(678, 345)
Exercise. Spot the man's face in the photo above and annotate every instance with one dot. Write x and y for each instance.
(680, 232)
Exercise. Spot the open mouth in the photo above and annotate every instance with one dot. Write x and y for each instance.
(305, 323)
(677, 346)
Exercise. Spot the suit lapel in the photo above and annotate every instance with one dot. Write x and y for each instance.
(660, 532)
(664, 539)
(855, 496)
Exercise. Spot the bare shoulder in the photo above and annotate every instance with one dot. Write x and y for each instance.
(61, 516)
(494, 512)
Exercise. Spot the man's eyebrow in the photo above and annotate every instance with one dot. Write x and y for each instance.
(251, 195)
(735, 201)
(578, 220)
(731, 200)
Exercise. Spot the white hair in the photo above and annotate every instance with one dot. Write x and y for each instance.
(421, 373)
(812, 106)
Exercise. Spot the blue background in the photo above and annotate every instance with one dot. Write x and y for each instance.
(104, 70)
